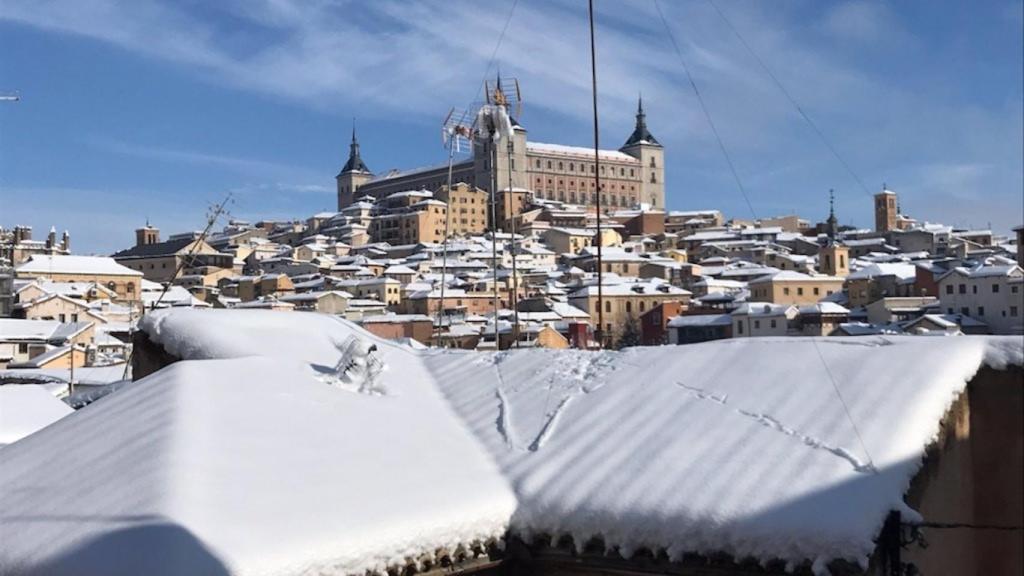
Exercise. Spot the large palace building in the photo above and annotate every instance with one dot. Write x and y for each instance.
(630, 176)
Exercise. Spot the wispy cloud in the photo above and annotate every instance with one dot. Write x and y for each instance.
(410, 61)
(245, 166)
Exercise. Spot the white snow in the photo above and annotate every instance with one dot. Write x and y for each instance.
(250, 464)
(47, 264)
(581, 151)
(735, 446)
(26, 408)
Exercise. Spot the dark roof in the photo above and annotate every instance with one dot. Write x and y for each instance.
(641, 135)
(355, 163)
(168, 248)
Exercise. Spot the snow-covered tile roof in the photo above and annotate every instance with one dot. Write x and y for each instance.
(248, 464)
(736, 446)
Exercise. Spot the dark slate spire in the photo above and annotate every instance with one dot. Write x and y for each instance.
(355, 163)
(832, 224)
(641, 135)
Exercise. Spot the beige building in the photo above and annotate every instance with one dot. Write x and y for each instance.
(254, 287)
(469, 208)
(625, 303)
(382, 289)
(159, 261)
(632, 175)
(794, 288)
(834, 260)
(124, 282)
(56, 307)
(420, 222)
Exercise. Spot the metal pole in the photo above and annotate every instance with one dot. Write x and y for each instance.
(494, 241)
(447, 234)
(599, 332)
(71, 379)
(515, 252)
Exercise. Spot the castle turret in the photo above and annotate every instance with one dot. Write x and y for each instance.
(643, 146)
(353, 174)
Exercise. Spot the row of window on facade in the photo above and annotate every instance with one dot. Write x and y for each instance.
(757, 325)
(572, 198)
(583, 167)
(966, 311)
(628, 305)
(962, 289)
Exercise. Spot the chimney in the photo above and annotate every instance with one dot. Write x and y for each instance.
(147, 235)
(65, 242)
(51, 238)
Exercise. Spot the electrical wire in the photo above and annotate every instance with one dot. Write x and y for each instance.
(707, 113)
(846, 408)
(791, 99)
(494, 54)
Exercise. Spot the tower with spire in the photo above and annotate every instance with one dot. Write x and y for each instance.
(831, 225)
(833, 257)
(353, 174)
(643, 146)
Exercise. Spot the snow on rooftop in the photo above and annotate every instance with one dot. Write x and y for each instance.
(26, 408)
(581, 151)
(736, 446)
(47, 264)
(246, 463)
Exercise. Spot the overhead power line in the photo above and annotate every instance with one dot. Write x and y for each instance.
(792, 100)
(494, 54)
(704, 109)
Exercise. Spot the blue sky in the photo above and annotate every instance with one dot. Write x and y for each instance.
(157, 109)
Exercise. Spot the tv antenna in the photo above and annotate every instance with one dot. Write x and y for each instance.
(494, 125)
(456, 134)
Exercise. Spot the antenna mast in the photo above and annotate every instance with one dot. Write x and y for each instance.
(599, 332)
(457, 127)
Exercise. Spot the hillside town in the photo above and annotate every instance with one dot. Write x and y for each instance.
(666, 277)
(568, 357)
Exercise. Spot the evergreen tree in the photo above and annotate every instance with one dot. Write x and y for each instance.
(630, 333)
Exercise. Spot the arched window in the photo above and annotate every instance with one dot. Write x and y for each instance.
(629, 307)
(654, 179)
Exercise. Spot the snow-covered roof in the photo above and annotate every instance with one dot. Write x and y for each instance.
(581, 152)
(720, 447)
(901, 270)
(26, 408)
(700, 320)
(47, 264)
(248, 464)
(824, 308)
